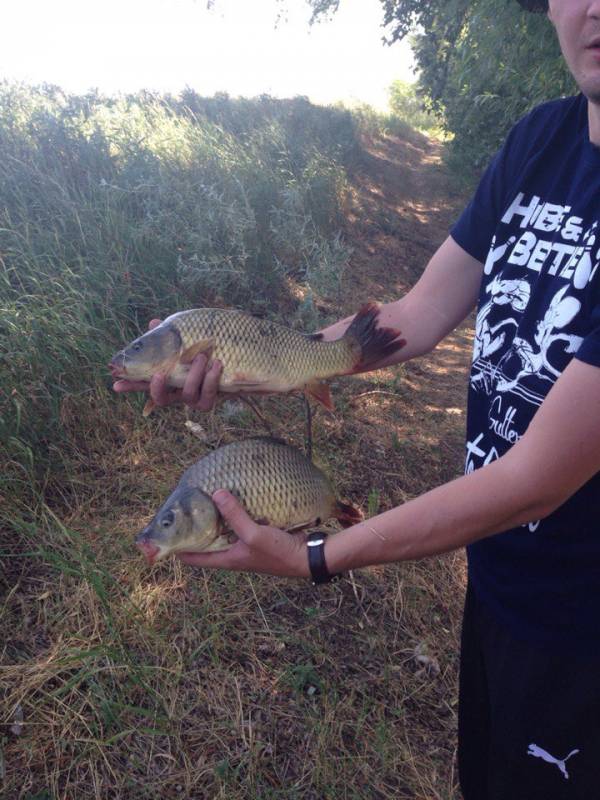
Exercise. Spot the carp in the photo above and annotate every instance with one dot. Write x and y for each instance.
(275, 482)
(258, 356)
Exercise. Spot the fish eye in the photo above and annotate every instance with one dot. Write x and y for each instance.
(137, 346)
(167, 519)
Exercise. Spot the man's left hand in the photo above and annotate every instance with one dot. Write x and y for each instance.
(260, 548)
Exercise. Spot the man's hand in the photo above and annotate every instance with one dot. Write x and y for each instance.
(199, 390)
(260, 548)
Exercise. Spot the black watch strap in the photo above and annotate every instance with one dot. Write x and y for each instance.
(315, 544)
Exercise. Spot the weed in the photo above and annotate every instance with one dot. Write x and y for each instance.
(117, 210)
(303, 679)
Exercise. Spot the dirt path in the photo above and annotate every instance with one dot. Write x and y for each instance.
(401, 209)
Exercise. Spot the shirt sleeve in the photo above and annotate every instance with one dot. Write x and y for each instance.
(476, 226)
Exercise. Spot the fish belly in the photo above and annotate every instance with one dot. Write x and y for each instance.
(247, 382)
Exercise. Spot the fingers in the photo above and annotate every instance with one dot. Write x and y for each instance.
(199, 390)
(153, 323)
(194, 380)
(235, 516)
(219, 560)
(259, 548)
(130, 386)
(237, 558)
(210, 385)
(202, 383)
(161, 393)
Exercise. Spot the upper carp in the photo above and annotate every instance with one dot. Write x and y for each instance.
(258, 356)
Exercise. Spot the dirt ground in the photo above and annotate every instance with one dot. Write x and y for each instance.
(174, 683)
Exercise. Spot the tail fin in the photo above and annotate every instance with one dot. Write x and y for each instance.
(346, 514)
(372, 343)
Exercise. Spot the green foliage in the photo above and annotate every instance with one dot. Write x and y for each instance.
(406, 104)
(303, 679)
(117, 210)
(373, 123)
(504, 63)
(373, 501)
(482, 65)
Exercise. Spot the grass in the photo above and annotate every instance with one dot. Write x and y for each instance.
(114, 210)
(119, 681)
(216, 685)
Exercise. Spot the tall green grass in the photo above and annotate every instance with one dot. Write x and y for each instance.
(115, 210)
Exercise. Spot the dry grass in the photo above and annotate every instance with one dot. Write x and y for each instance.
(177, 683)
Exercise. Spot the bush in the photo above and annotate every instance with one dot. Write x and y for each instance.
(405, 104)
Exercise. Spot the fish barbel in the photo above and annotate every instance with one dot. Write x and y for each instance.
(275, 483)
(258, 356)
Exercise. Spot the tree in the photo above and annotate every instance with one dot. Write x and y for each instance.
(482, 65)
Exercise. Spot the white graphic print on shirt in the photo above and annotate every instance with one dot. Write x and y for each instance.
(521, 349)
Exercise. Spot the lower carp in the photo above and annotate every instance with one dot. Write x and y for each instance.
(275, 483)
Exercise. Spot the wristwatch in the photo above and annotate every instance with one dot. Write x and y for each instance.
(315, 544)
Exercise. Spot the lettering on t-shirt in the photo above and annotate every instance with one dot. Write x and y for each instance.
(501, 419)
(570, 251)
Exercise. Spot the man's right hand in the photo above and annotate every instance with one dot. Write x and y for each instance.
(199, 390)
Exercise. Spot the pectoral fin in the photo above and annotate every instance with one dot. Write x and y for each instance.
(320, 392)
(189, 354)
(149, 407)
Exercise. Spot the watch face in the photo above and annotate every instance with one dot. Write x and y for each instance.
(315, 542)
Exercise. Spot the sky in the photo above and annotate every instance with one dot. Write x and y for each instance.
(166, 45)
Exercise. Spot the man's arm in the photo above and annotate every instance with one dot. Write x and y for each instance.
(559, 452)
(442, 297)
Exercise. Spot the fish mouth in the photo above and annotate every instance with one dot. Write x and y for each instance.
(117, 367)
(150, 550)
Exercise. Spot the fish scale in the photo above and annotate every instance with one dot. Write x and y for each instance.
(273, 481)
(247, 344)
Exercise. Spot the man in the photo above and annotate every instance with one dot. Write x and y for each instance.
(528, 246)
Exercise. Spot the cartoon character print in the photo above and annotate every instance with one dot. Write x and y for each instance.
(535, 360)
(488, 340)
(586, 268)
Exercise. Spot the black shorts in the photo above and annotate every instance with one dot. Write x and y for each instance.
(529, 719)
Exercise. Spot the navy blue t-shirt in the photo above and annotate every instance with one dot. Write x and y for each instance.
(534, 223)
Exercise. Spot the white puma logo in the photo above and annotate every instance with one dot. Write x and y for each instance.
(538, 752)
